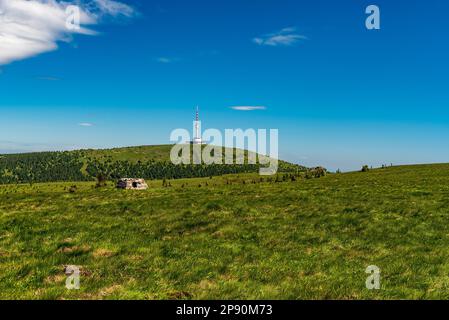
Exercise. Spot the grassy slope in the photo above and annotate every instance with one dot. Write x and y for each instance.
(140, 153)
(134, 154)
(305, 239)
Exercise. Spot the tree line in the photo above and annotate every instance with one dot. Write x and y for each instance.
(73, 166)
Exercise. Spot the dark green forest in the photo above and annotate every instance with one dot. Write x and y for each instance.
(80, 166)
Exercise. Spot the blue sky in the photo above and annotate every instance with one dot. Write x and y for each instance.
(340, 95)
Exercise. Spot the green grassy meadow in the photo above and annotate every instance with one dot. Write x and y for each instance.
(134, 154)
(231, 237)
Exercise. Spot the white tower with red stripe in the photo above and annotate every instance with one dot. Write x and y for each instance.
(197, 128)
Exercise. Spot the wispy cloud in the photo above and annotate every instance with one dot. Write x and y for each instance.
(86, 124)
(114, 8)
(32, 27)
(8, 147)
(46, 78)
(248, 108)
(284, 37)
(166, 60)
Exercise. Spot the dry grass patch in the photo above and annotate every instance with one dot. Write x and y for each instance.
(57, 278)
(75, 249)
(103, 253)
(110, 290)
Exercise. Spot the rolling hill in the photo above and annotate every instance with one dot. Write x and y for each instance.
(149, 162)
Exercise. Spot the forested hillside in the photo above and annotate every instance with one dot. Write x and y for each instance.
(149, 162)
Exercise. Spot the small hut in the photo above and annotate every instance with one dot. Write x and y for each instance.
(132, 184)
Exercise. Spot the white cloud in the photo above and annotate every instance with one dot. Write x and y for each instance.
(249, 108)
(32, 27)
(114, 8)
(86, 124)
(47, 78)
(284, 37)
(166, 60)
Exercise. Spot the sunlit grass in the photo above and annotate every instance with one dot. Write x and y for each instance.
(223, 238)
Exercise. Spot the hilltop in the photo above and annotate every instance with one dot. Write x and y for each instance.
(149, 162)
(156, 153)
